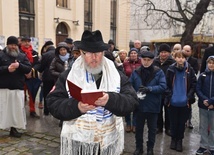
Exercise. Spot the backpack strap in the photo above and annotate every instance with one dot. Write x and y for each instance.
(203, 76)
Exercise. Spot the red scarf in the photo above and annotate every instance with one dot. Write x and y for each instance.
(28, 52)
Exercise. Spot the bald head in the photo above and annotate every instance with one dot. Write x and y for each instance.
(187, 50)
(177, 47)
(137, 44)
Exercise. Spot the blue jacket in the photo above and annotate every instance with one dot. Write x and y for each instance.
(205, 88)
(152, 102)
(190, 82)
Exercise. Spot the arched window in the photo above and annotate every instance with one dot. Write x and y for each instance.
(61, 32)
(61, 29)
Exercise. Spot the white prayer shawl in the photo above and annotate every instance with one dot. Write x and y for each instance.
(12, 109)
(99, 128)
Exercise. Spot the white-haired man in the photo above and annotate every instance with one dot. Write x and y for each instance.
(13, 67)
(89, 129)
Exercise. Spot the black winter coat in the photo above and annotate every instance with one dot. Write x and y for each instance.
(205, 89)
(208, 52)
(164, 66)
(35, 64)
(45, 64)
(64, 108)
(194, 64)
(56, 67)
(16, 79)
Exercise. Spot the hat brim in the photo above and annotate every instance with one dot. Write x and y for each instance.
(151, 57)
(92, 47)
(26, 40)
(57, 49)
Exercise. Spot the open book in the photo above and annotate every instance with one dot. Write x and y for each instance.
(88, 97)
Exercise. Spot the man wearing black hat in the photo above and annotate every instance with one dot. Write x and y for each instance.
(13, 67)
(33, 82)
(163, 61)
(149, 82)
(70, 44)
(44, 68)
(112, 47)
(89, 129)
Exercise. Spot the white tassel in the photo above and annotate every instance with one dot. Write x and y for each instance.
(72, 147)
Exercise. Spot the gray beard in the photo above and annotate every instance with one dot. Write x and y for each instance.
(96, 70)
(12, 53)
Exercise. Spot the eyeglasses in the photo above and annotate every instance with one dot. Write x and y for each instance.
(89, 54)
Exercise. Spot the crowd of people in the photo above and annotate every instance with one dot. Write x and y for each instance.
(145, 89)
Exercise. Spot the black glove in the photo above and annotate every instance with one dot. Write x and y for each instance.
(143, 89)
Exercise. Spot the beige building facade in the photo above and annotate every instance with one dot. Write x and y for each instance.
(50, 18)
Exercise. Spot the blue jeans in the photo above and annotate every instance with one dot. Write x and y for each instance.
(152, 125)
(206, 121)
(130, 121)
(178, 117)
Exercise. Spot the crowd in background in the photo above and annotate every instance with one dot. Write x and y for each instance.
(167, 86)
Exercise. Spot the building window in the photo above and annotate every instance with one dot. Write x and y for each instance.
(26, 6)
(113, 19)
(88, 15)
(62, 3)
(26, 26)
(26, 18)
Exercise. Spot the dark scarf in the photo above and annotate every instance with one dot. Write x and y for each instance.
(181, 68)
(146, 74)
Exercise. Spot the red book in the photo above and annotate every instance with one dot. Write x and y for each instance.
(88, 97)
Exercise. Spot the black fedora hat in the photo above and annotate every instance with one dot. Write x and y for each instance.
(92, 42)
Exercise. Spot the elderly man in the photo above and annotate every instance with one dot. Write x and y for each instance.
(163, 61)
(190, 59)
(176, 47)
(187, 49)
(137, 45)
(150, 82)
(89, 129)
(32, 82)
(13, 67)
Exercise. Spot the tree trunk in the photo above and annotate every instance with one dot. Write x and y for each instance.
(201, 9)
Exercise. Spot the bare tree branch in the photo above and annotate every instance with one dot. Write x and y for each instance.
(190, 13)
(181, 10)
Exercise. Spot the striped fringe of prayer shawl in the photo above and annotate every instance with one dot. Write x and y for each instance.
(81, 148)
(69, 146)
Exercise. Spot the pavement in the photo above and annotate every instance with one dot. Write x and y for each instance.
(42, 137)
